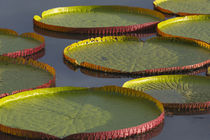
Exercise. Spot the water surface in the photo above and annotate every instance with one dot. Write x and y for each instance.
(18, 15)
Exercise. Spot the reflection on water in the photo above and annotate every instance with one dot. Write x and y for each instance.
(138, 34)
(36, 56)
(4, 136)
(101, 74)
(200, 72)
(147, 136)
(171, 112)
(93, 73)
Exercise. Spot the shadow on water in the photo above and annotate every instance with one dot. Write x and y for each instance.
(100, 74)
(138, 34)
(37, 55)
(171, 112)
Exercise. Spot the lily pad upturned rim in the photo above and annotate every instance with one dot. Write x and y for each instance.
(201, 106)
(140, 129)
(98, 30)
(25, 52)
(33, 63)
(145, 136)
(102, 74)
(181, 19)
(167, 11)
(158, 71)
(76, 36)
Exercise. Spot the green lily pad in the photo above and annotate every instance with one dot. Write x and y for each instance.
(194, 27)
(65, 111)
(128, 54)
(82, 18)
(94, 16)
(97, 19)
(174, 88)
(18, 77)
(10, 42)
(180, 6)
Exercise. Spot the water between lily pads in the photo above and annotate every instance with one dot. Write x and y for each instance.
(17, 15)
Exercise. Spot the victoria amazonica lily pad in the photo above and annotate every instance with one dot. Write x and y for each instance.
(129, 55)
(181, 7)
(98, 19)
(175, 89)
(20, 74)
(12, 44)
(190, 27)
(68, 112)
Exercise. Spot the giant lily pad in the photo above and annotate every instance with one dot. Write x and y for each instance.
(93, 113)
(20, 74)
(129, 55)
(189, 27)
(98, 19)
(175, 89)
(180, 7)
(13, 45)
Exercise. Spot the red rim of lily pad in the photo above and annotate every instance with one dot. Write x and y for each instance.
(145, 136)
(99, 30)
(25, 52)
(33, 63)
(113, 134)
(86, 36)
(102, 74)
